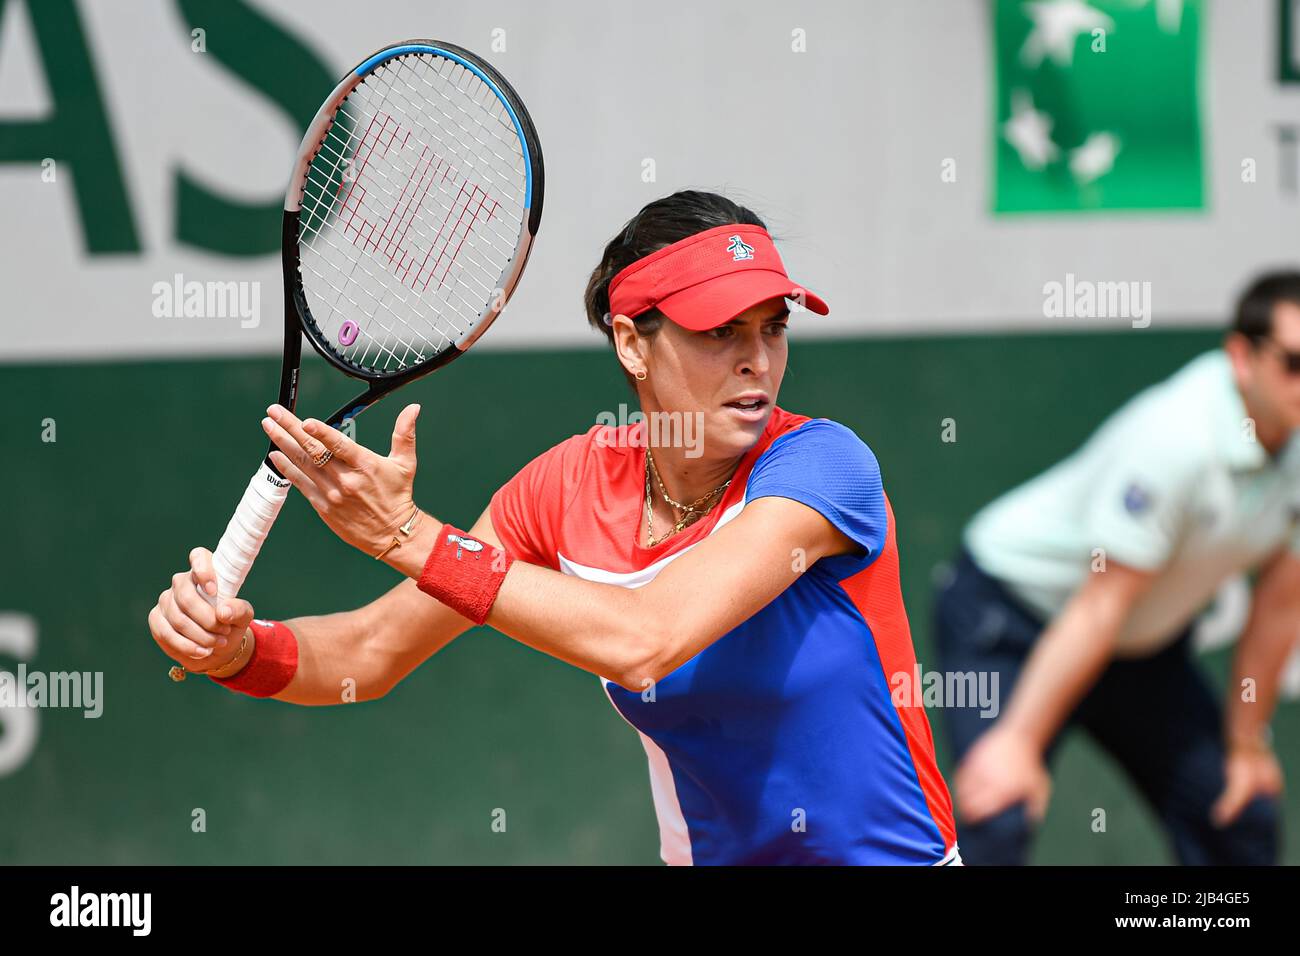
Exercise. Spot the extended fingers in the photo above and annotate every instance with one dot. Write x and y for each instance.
(299, 479)
(284, 437)
(315, 438)
(291, 424)
(403, 446)
(340, 445)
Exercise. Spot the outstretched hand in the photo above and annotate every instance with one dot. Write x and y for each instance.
(363, 497)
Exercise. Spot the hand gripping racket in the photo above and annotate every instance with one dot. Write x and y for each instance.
(410, 212)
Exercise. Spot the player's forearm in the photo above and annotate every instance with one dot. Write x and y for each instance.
(1269, 638)
(362, 654)
(1065, 662)
(597, 627)
(635, 636)
(334, 664)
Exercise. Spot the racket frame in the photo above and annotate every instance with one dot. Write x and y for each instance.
(297, 312)
(268, 488)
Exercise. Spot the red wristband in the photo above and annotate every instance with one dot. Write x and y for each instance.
(273, 664)
(464, 573)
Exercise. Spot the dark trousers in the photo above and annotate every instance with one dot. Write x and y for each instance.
(1155, 715)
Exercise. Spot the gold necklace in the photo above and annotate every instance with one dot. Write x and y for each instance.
(690, 512)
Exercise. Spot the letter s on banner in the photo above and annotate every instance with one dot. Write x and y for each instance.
(20, 725)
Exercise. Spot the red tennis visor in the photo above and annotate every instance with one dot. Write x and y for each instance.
(708, 279)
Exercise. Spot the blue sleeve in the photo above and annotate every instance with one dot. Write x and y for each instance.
(825, 466)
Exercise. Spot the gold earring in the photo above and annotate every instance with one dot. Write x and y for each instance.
(640, 374)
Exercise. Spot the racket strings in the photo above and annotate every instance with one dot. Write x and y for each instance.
(437, 96)
(341, 159)
(484, 99)
(384, 300)
(377, 311)
(484, 289)
(404, 312)
(509, 175)
(314, 230)
(506, 239)
(409, 348)
(435, 99)
(464, 307)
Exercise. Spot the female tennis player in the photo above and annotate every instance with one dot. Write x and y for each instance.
(738, 597)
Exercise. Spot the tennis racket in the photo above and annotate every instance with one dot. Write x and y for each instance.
(411, 209)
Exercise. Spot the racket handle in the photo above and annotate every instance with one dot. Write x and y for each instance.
(238, 547)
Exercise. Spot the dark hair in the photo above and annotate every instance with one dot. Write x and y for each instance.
(1254, 317)
(658, 224)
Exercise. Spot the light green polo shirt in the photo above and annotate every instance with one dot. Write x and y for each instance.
(1172, 482)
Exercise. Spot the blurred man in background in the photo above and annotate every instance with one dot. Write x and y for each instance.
(1080, 588)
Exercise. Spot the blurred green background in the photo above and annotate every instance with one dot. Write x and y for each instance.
(97, 521)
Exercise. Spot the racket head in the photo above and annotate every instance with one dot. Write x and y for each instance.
(410, 212)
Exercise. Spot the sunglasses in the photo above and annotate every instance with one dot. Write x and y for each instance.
(1290, 360)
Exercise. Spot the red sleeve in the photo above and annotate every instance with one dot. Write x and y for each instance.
(527, 510)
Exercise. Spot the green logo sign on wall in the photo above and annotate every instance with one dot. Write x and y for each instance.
(1097, 105)
(248, 44)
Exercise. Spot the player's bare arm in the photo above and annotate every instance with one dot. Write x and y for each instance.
(1005, 766)
(637, 636)
(375, 646)
(1271, 633)
(409, 325)
(630, 636)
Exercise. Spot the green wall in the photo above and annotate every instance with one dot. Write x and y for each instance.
(150, 459)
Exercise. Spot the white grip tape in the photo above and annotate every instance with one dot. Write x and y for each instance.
(238, 547)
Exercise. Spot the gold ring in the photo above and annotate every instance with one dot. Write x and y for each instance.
(177, 673)
(323, 458)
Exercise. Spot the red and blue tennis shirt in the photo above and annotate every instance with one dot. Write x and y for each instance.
(779, 743)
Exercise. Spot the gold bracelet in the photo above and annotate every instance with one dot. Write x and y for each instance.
(407, 529)
(239, 660)
(178, 673)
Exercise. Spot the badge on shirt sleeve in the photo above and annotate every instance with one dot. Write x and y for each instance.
(1137, 500)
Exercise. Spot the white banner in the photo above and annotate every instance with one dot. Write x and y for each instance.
(861, 131)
